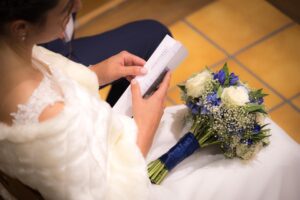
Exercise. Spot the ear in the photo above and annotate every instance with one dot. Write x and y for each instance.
(19, 29)
(77, 6)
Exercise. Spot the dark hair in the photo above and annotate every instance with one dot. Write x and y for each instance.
(33, 11)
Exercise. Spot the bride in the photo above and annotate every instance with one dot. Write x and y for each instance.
(58, 137)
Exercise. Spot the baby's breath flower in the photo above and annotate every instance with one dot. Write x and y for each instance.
(260, 118)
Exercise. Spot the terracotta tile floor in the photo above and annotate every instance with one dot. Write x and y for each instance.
(260, 44)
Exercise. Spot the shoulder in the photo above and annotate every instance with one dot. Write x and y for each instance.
(51, 111)
(14, 94)
(19, 94)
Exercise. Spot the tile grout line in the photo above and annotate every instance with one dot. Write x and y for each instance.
(290, 100)
(285, 100)
(89, 17)
(269, 35)
(199, 32)
(294, 97)
(276, 107)
(244, 49)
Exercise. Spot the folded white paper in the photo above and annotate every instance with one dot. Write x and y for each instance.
(167, 56)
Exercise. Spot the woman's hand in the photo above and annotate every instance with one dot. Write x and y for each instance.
(123, 64)
(148, 112)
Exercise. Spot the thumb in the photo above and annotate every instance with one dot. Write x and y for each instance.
(135, 90)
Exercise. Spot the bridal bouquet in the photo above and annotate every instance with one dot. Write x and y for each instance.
(223, 111)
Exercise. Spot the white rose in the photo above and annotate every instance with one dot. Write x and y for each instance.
(196, 85)
(235, 95)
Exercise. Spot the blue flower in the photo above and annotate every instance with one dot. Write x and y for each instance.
(220, 76)
(199, 103)
(256, 129)
(260, 100)
(249, 142)
(213, 99)
(204, 110)
(233, 79)
(193, 107)
(189, 105)
(240, 131)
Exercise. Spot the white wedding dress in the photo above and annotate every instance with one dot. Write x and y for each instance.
(273, 174)
(88, 152)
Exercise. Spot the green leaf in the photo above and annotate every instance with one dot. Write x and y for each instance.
(226, 70)
(259, 137)
(182, 87)
(256, 94)
(252, 107)
(255, 108)
(262, 111)
(265, 126)
(219, 92)
(265, 131)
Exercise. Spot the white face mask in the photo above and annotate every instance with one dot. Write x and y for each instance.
(69, 30)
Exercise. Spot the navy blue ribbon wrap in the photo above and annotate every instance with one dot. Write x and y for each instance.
(186, 146)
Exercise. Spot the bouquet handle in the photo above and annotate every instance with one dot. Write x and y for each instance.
(186, 146)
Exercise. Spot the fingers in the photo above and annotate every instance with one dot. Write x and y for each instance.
(133, 71)
(133, 65)
(163, 88)
(130, 59)
(129, 78)
(159, 94)
(136, 91)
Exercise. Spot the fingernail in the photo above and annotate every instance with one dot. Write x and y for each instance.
(144, 70)
(133, 81)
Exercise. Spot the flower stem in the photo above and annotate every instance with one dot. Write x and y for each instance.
(157, 171)
(199, 136)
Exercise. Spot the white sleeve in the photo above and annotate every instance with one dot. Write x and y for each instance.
(127, 166)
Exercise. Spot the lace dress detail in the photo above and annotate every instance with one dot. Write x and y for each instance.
(46, 94)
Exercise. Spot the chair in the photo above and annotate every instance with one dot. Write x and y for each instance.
(19, 190)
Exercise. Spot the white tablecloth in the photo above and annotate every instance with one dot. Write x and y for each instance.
(206, 175)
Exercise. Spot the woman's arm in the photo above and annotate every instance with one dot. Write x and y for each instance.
(148, 112)
(123, 64)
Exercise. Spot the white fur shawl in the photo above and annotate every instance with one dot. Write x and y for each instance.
(86, 152)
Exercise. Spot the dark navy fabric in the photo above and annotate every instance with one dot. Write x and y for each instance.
(140, 38)
(185, 147)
